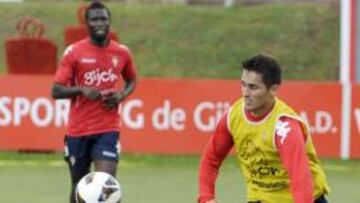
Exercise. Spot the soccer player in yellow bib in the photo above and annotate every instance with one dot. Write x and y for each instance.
(272, 144)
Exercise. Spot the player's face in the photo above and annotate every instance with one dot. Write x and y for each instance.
(98, 22)
(258, 98)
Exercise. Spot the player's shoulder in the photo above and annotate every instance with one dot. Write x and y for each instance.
(119, 46)
(288, 121)
(75, 47)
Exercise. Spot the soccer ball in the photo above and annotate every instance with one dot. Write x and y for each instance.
(98, 187)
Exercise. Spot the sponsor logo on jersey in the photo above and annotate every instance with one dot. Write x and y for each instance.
(96, 77)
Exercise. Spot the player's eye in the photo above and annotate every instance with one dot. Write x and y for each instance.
(253, 87)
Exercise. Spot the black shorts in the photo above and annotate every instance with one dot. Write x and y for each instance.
(81, 151)
(321, 199)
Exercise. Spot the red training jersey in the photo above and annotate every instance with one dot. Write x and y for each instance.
(85, 64)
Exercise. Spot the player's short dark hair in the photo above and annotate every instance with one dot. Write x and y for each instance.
(266, 66)
(96, 4)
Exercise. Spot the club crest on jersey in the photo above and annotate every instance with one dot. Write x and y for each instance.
(115, 61)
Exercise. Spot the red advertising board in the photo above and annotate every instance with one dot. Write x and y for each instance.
(163, 116)
(29, 119)
(179, 115)
(318, 103)
(355, 123)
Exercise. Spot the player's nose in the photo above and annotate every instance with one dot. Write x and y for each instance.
(245, 91)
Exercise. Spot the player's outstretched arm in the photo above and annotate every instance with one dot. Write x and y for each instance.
(60, 91)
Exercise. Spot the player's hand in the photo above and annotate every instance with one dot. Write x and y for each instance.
(90, 93)
(112, 100)
(211, 201)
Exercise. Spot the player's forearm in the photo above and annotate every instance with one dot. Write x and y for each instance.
(207, 178)
(209, 169)
(300, 179)
(217, 149)
(61, 92)
(129, 87)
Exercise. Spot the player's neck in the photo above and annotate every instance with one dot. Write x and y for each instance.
(100, 42)
(259, 114)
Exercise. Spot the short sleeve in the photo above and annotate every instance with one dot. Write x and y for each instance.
(64, 72)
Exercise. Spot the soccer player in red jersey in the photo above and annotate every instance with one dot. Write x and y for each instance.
(90, 75)
(272, 144)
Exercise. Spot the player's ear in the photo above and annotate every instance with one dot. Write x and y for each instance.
(273, 89)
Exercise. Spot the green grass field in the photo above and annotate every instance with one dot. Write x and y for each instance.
(203, 41)
(39, 178)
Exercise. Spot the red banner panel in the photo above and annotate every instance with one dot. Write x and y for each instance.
(175, 116)
(29, 119)
(355, 123)
(318, 103)
(163, 116)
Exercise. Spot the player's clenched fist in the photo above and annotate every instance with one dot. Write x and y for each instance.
(90, 93)
(112, 100)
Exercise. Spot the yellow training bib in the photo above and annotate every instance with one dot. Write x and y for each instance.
(266, 178)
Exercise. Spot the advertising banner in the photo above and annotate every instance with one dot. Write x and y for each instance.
(355, 123)
(318, 103)
(163, 116)
(29, 119)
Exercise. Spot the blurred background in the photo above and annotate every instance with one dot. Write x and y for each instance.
(188, 54)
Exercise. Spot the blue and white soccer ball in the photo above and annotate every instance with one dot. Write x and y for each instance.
(98, 187)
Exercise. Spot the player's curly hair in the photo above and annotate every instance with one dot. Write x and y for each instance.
(96, 4)
(267, 66)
